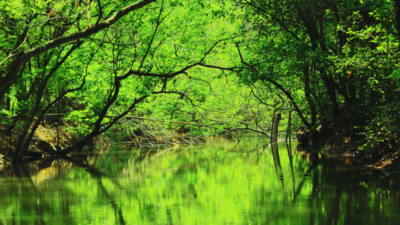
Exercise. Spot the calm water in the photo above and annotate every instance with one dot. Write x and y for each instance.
(215, 183)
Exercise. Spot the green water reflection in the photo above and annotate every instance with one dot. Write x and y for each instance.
(215, 183)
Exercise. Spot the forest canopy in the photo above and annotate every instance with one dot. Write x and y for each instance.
(211, 66)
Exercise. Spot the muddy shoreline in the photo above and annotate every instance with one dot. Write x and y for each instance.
(48, 138)
(373, 158)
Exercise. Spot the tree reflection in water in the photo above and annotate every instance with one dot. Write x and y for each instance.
(222, 182)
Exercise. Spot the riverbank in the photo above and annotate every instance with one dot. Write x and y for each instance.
(387, 161)
(46, 139)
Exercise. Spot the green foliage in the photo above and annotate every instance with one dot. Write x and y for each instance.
(223, 64)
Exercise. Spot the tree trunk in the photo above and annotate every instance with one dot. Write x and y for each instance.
(272, 126)
(277, 118)
(311, 103)
(288, 130)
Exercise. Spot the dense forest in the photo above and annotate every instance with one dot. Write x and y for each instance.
(156, 69)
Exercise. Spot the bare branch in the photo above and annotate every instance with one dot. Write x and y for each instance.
(100, 12)
(280, 87)
(152, 37)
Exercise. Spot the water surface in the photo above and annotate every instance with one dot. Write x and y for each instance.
(220, 182)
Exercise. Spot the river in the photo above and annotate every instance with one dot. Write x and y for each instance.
(219, 182)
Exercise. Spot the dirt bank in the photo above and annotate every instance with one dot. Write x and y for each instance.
(47, 138)
(387, 161)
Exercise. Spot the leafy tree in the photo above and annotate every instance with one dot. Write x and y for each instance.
(112, 68)
(326, 57)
